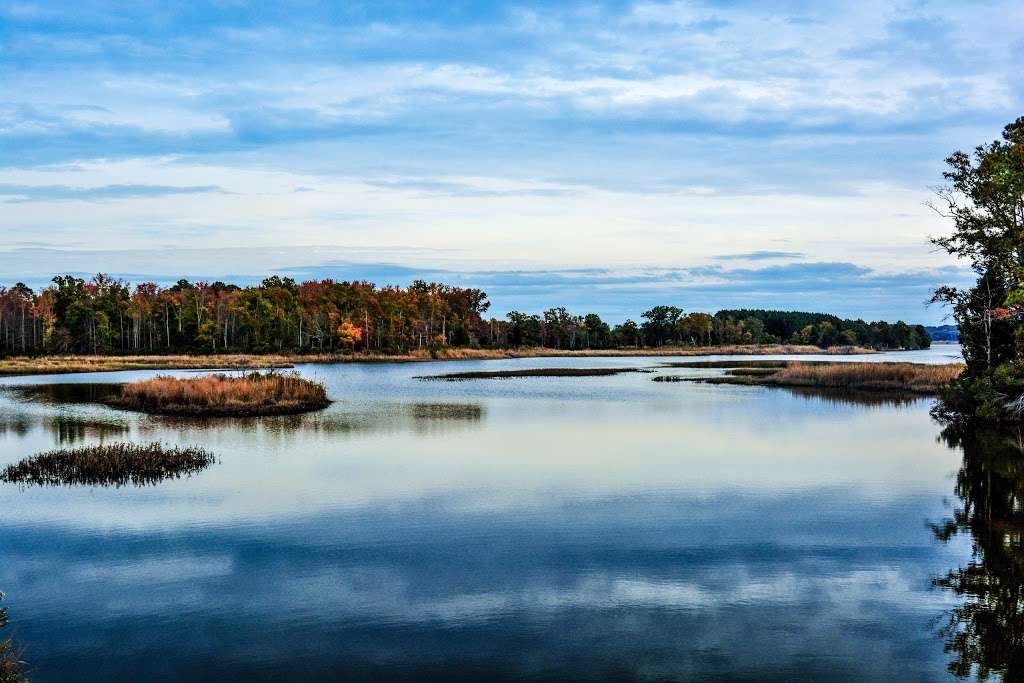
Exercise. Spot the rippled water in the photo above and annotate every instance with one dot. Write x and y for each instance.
(585, 527)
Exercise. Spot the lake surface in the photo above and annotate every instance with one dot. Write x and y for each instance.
(589, 527)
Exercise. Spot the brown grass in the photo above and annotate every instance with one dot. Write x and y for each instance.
(47, 365)
(916, 378)
(114, 464)
(221, 395)
(60, 365)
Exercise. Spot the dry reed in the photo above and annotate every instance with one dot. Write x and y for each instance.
(223, 396)
(918, 378)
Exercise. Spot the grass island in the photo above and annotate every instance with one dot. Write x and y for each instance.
(221, 395)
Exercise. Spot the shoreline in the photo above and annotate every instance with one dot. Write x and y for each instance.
(19, 366)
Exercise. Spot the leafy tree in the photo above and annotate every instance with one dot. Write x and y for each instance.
(626, 334)
(524, 329)
(349, 334)
(984, 199)
(661, 324)
(598, 333)
(696, 328)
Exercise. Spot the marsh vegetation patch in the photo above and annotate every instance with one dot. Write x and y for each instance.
(115, 464)
(222, 395)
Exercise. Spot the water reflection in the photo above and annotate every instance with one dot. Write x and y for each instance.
(354, 418)
(67, 429)
(18, 425)
(72, 424)
(985, 634)
(856, 398)
(598, 528)
(60, 394)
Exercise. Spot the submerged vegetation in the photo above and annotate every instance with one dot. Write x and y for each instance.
(223, 395)
(115, 464)
(533, 372)
(915, 378)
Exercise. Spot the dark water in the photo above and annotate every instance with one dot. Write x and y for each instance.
(594, 527)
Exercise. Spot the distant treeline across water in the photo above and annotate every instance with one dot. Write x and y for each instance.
(105, 315)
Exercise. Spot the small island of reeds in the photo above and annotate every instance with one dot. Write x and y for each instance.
(115, 464)
(913, 378)
(222, 395)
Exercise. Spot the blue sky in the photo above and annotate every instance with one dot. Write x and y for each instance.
(608, 156)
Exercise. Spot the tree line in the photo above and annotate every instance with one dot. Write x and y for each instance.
(105, 315)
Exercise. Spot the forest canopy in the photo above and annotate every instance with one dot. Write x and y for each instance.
(105, 315)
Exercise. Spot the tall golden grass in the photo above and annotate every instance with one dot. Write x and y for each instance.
(222, 395)
(918, 378)
(113, 464)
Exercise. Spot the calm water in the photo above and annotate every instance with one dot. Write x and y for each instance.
(540, 527)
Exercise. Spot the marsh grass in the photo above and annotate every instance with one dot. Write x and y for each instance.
(115, 464)
(221, 395)
(913, 378)
(532, 372)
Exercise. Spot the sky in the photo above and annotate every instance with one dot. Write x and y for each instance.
(605, 156)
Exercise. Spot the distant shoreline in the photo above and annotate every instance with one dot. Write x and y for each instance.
(58, 365)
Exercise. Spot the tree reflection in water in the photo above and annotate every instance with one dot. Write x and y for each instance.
(985, 633)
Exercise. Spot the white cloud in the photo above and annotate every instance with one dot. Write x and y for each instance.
(661, 135)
